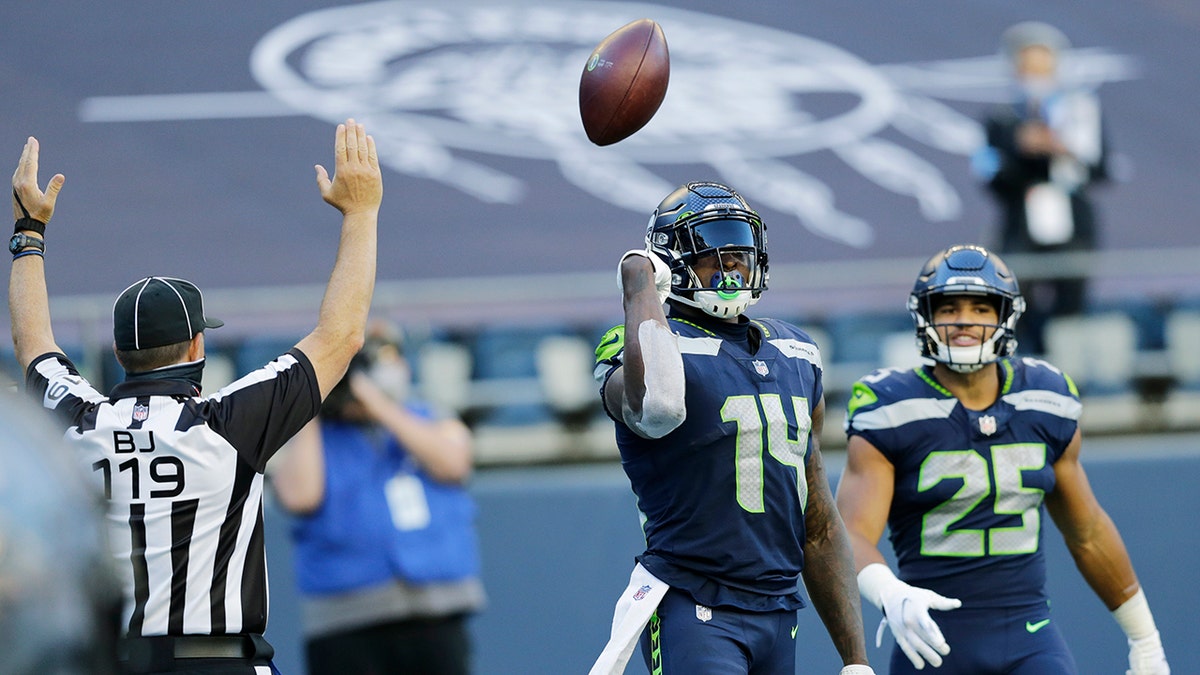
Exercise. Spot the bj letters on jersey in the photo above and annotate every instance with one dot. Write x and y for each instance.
(183, 479)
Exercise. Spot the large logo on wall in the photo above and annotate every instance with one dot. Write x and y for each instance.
(443, 85)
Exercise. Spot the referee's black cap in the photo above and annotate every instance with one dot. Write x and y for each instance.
(158, 311)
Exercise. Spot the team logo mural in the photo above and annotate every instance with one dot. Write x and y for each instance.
(445, 85)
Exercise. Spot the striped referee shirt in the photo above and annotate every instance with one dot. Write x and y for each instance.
(182, 475)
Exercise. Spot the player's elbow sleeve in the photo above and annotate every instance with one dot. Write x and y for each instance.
(663, 406)
(660, 416)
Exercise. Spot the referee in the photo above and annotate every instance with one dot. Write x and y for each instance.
(182, 472)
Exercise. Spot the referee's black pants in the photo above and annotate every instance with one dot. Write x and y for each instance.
(430, 646)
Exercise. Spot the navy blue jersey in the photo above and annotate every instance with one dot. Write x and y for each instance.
(723, 495)
(966, 516)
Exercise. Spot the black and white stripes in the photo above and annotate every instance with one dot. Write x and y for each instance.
(183, 479)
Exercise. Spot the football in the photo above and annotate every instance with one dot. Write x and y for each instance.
(624, 82)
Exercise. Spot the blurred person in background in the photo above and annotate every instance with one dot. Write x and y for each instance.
(386, 552)
(60, 603)
(1045, 150)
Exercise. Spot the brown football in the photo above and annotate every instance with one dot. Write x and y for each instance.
(624, 82)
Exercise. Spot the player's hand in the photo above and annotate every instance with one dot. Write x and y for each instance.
(857, 669)
(1146, 657)
(357, 184)
(906, 610)
(28, 199)
(662, 273)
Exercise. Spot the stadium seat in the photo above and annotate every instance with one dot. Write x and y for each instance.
(899, 350)
(220, 367)
(1099, 352)
(564, 368)
(854, 347)
(858, 338)
(442, 374)
(1147, 316)
(505, 389)
(1182, 338)
(255, 352)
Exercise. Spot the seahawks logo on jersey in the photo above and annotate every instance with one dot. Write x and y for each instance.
(608, 352)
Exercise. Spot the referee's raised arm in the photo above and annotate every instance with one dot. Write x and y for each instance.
(28, 301)
(356, 190)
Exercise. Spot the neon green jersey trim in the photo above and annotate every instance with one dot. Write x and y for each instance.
(612, 343)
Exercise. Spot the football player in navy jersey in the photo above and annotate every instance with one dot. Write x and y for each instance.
(956, 460)
(717, 418)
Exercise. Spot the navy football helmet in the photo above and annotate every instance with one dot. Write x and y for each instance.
(705, 219)
(966, 270)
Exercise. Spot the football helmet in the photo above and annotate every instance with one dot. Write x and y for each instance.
(705, 219)
(966, 270)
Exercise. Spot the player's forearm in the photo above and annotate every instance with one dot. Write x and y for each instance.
(341, 325)
(829, 572)
(29, 310)
(1104, 563)
(653, 402)
(640, 303)
(829, 578)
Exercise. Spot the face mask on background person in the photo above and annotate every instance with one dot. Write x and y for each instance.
(393, 377)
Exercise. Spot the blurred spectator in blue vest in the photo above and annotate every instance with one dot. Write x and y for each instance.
(386, 553)
(1045, 149)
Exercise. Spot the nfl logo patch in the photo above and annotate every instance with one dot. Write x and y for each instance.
(987, 424)
(641, 592)
(760, 367)
(703, 613)
(140, 412)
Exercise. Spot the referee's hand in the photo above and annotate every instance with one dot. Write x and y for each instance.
(40, 206)
(357, 184)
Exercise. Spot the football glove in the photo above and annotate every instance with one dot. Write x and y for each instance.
(662, 273)
(1146, 656)
(857, 669)
(906, 609)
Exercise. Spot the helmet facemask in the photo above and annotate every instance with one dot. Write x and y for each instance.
(966, 359)
(715, 247)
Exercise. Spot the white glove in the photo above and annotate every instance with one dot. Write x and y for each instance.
(1146, 656)
(906, 609)
(662, 273)
(857, 669)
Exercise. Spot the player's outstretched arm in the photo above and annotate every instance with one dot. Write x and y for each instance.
(1102, 559)
(829, 561)
(648, 388)
(864, 498)
(28, 301)
(356, 190)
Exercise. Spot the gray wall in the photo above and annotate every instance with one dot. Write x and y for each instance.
(559, 542)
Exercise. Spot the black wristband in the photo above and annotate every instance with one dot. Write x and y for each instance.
(30, 224)
(25, 222)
